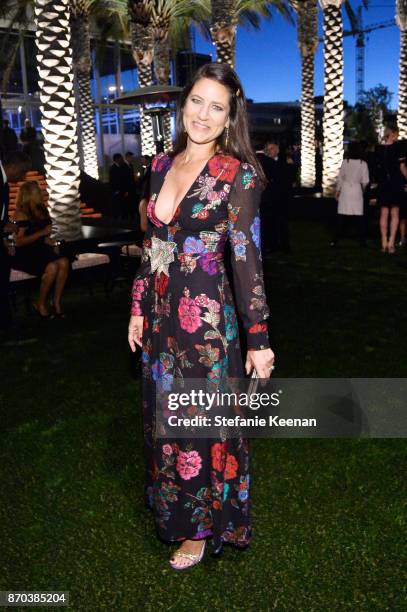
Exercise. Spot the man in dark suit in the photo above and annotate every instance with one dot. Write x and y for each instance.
(8, 139)
(276, 198)
(131, 187)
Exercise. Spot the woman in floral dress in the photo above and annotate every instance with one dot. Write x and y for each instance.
(203, 195)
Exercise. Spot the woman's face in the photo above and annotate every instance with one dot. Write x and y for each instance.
(206, 111)
(389, 137)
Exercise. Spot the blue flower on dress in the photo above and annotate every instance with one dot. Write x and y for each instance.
(243, 492)
(161, 374)
(247, 180)
(226, 488)
(197, 207)
(243, 495)
(193, 245)
(145, 357)
(255, 231)
(218, 371)
(239, 242)
(230, 322)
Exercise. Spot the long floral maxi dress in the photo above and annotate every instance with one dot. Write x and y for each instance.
(199, 488)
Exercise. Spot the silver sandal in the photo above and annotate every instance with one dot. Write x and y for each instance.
(194, 559)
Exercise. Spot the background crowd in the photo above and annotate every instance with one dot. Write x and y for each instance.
(370, 180)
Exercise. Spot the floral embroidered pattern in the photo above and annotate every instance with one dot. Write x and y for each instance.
(162, 372)
(239, 241)
(188, 464)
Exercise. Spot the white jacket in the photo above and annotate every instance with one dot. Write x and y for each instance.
(353, 178)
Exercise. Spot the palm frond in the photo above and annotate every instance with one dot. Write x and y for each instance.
(246, 9)
(351, 14)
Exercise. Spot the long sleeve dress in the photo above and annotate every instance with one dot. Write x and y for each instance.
(199, 488)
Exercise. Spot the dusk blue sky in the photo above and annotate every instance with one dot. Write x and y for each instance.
(268, 60)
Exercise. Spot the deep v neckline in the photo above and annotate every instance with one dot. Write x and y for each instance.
(185, 194)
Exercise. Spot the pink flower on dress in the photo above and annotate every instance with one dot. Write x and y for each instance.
(188, 464)
(136, 309)
(202, 299)
(138, 288)
(167, 449)
(137, 296)
(189, 315)
(213, 305)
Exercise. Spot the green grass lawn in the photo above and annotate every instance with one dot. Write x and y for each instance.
(328, 515)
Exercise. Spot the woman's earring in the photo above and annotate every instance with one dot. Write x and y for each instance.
(226, 136)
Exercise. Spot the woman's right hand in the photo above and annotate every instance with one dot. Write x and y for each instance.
(135, 331)
(47, 231)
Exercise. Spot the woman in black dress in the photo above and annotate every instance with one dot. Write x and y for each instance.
(34, 248)
(203, 195)
(390, 188)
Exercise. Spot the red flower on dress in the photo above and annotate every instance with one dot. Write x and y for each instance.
(216, 505)
(231, 467)
(189, 315)
(161, 284)
(218, 454)
(203, 214)
(257, 328)
(224, 164)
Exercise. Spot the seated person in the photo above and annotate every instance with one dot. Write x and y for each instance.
(34, 247)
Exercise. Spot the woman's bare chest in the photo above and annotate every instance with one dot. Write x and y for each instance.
(177, 183)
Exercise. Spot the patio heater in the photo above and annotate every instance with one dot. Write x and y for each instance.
(162, 95)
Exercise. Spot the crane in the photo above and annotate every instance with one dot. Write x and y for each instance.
(359, 32)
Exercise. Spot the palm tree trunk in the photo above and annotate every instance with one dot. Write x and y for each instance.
(142, 43)
(223, 30)
(146, 125)
(82, 61)
(333, 121)
(402, 109)
(307, 42)
(308, 172)
(54, 61)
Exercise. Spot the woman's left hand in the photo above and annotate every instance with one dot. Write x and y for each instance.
(262, 360)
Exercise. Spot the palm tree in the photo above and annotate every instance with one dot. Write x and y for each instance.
(307, 11)
(333, 120)
(142, 37)
(82, 61)
(18, 12)
(402, 110)
(59, 123)
(228, 14)
(170, 22)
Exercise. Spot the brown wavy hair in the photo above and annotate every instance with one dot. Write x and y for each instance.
(30, 202)
(238, 145)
